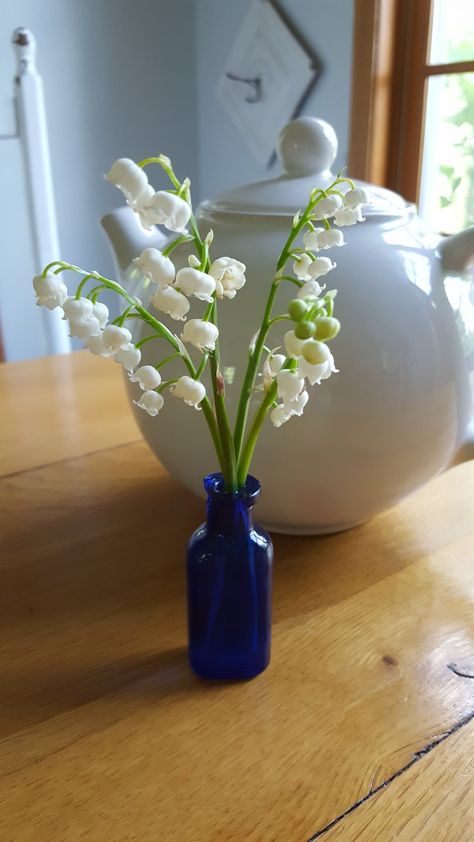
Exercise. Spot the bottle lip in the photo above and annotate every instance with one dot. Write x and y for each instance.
(249, 494)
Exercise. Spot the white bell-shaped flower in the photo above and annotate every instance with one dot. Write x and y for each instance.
(330, 367)
(163, 208)
(330, 238)
(271, 367)
(201, 334)
(191, 391)
(84, 328)
(78, 308)
(128, 177)
(310, 289)
(50, 291)
(301, 266)
(297, 406)
(289, 385)
(348, 216)
(83, 323)
(313, 373)
(147, 377)
(129, 356)
(319, 371)
(95, 344)
(115, 338)
(315, 352)
(140, 206)
(171, 301)
(320, 267)
(275, 362)
(194, 282)
(327, 207)
(229, 275)
(311, 239)
(279, 415)
(284, 411)
(156, 266)
(293, 345)
(101, 312)
(356, 197)
(151, 402)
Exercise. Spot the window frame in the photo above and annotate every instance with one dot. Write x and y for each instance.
(390, 70)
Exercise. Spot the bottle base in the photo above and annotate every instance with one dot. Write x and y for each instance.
(228, 669)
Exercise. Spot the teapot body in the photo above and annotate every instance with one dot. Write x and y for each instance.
(394, 415)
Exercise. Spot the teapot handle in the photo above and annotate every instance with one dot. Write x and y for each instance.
(457, 251)
(127, 238)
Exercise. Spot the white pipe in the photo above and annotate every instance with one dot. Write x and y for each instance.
(34, 140)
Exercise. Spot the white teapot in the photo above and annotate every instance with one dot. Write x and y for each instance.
(399, 408)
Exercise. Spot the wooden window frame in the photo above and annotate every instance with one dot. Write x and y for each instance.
(390, 70)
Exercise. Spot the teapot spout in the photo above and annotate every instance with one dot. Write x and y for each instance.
(127, 238)
(457, 252)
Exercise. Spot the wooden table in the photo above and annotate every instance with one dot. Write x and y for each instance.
(362, 728)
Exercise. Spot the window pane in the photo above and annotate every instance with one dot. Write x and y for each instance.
(452, 31)
(447, 175)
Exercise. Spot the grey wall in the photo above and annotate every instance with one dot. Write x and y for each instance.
(224, 160)
(114, 86)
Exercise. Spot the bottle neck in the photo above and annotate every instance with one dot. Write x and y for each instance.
(229, 516)
(230, 513)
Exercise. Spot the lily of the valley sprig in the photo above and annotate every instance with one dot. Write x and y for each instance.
(276, 378)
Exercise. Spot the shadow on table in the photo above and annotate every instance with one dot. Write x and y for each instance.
(30, 696)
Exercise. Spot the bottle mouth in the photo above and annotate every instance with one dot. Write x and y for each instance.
(248, 494)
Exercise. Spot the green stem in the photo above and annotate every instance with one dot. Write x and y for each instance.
(254, 432)
(185, 238)
(249, 379)
(282, 318)
(228, 452)
(166, 360)
(148, 339)
(82, 284)
(294, 281)
(94, 293)
(165, 165)
(214, 430)
(59, 263)
(125, 315)
(166, 384)
(202, 366)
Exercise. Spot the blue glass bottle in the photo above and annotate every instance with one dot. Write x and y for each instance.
(229, 569)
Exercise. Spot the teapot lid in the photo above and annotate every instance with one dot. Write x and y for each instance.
(307, 148)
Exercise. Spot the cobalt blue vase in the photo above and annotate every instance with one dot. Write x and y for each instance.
(229, 567)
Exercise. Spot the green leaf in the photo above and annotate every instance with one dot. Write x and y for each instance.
(446, 170)
(444, 201)
(455, 183)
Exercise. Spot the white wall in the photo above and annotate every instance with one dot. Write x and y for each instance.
(114, 86)
(326, 26)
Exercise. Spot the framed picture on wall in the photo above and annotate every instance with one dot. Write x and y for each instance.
(267, 76)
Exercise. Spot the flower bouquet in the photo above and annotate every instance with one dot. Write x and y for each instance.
(229, 563)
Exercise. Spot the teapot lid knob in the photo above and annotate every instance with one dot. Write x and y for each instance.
(306, 146)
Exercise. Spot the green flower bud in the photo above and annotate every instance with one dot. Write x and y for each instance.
(327, 328)
(315, 352)
(297, 309)
(304, 330)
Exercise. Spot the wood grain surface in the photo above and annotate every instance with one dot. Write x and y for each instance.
(359, 728)
(57, 407)
(432, 800)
